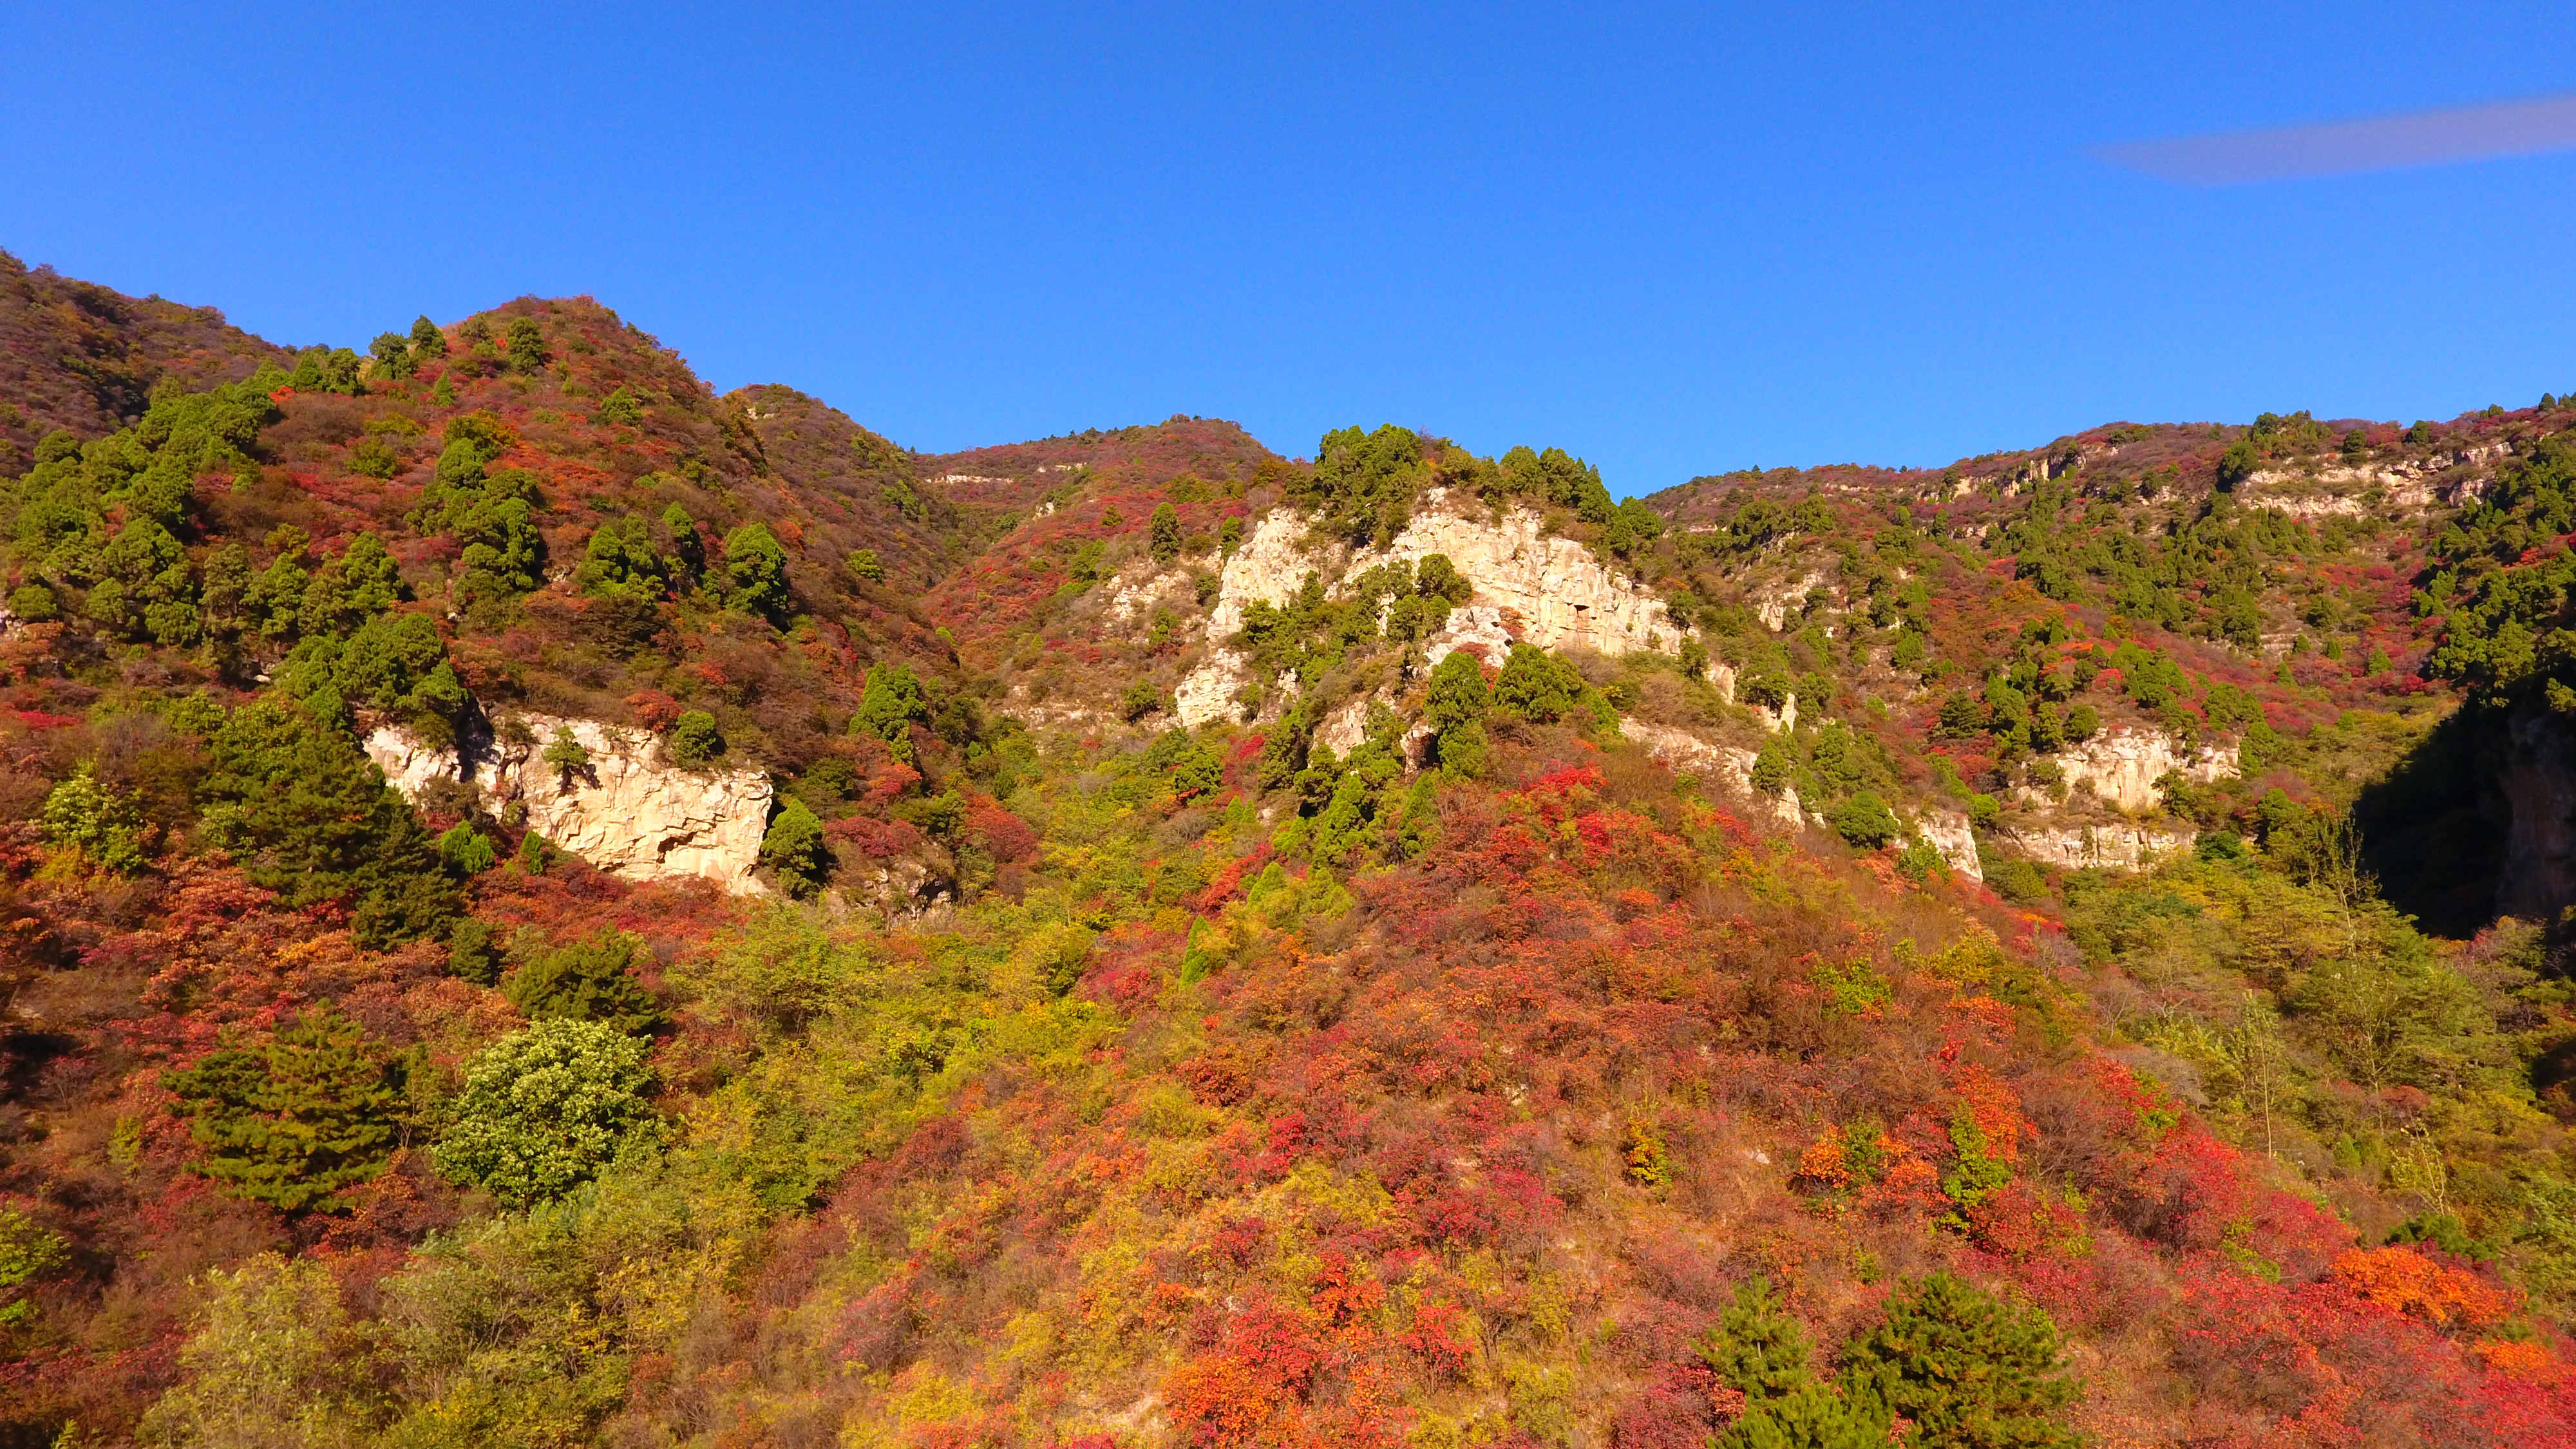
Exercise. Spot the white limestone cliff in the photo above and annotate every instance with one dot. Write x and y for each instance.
(1948, 832)
(1729, 766)
(2123, 765)
(627, 811)
(2120, 847)
(1528, 586)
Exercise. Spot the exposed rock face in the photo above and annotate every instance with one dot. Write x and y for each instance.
(1528, 586)
(1208, 692)
(2119, 847)
(1479, 625)
(1269, 565)
(1949, 833)
(625, 812)
(1343, 730)
(1727, 765)
(2124, 765)
(1772, 605)
(2322, 489)
(1553, 588)
(2538, 780)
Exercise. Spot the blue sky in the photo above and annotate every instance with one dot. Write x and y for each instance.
(1674, 240)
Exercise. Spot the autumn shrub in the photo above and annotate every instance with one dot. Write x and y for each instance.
(268, 1363)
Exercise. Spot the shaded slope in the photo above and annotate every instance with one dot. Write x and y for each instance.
(81, 356)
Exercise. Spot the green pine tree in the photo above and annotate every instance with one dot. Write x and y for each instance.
(888, 706)
(756, 571)
(296, 1122)
(1757, 1348)
(796, 849)
(1969, 1372)
(308, 815)
(590, 980)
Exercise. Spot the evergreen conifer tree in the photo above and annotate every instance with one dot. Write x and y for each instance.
(296, 1122)
(1968, 1371)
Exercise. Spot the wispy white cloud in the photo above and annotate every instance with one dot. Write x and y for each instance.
(2337, 148)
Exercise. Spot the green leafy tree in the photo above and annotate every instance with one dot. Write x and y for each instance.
(526, 342)
(620, 562)
(426, 340)
(1364, 481)
(1865, 821)
(889, 705)
(1633, 525)
(267, 1366)
(694, 739)
(396, 664)
(756, 573)
(103, 824)
(1968, 1371)
(864, 564)
(501, 549)
(543, 1109)
(474, 952)
(1537, 686)
(27, 1252)
(620, 406)
(592, 979)
(1163, 534)
(1454, 707)
(309, 816)
(1437, 578)
(2238, 463)
(796, 849)
(467, 852)
(392, 354)
(688, 551)
(145, 589)
(566, 756)
(1554, 476)
(295, 1122)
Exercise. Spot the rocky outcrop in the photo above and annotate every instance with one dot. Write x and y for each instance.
(1772, 605)
(1554, 589)
(2119, 847)
(2123, 766)
(1730, 766)
(1948, 832)
(1209, 692)
(1477, 626)
(2321, 489)
(1269, 565)
(1527, 586)
(626, 811)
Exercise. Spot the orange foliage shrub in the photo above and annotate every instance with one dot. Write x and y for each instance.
(2405, 1281)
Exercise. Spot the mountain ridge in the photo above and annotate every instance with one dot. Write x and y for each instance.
(2017, 954)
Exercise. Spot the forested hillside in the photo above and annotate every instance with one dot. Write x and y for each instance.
(1188, 945)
